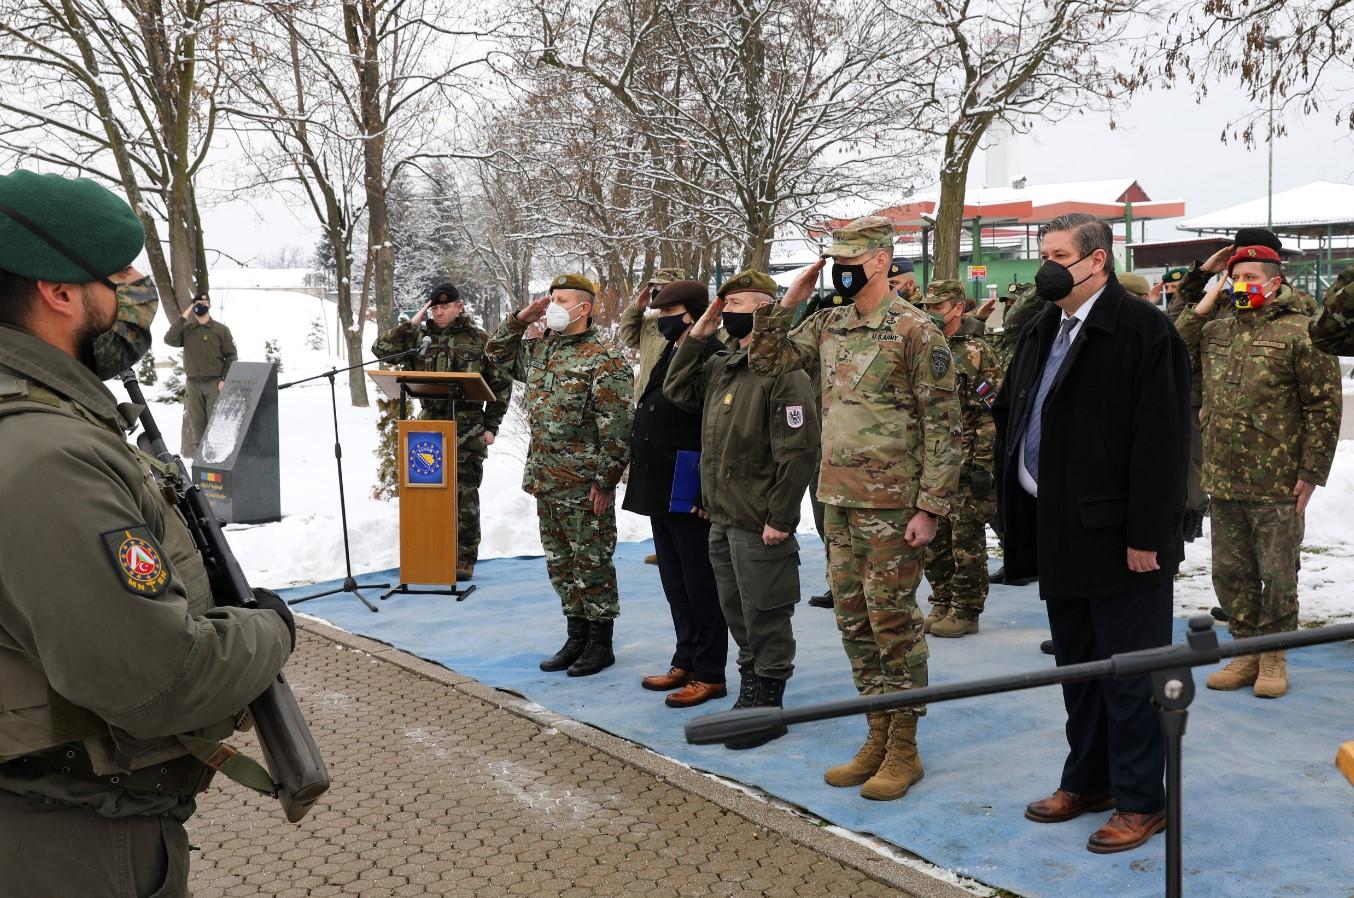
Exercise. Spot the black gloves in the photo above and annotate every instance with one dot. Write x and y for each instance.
(266, 598)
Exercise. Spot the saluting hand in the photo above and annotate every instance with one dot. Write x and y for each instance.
(1218, 261)
(708, 323)
(534, 310)
(803, 286)
(421, 314)
(985, 310)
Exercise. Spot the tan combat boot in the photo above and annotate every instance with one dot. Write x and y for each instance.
(902, 764)
(938, 614)
(1273, 679)
(955, 626)
(867, 760)
(1242, 671)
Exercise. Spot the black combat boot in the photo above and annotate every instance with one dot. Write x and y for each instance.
(597, 657)
(822, 601)
(747, 689)
(769, 694)
(572, 648)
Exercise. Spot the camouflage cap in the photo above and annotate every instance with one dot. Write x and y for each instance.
(68, 230)
(861, 236)
(573, 282)
(1135, 283)
(750, 281)
(1174, 275)
(667, 275)
(1014, 289)
(942, 291)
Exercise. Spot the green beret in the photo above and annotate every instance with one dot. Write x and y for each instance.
(750, 281)
(667, 276)
(942, 291)
(1135, 283)
(860, 236)
(573, 282)
(1174, 275)
(97, 232)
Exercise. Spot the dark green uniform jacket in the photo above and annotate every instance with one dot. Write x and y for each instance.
(457, 347)
(1333, 332)
(208, 349)
(759, 435)
(109, 640)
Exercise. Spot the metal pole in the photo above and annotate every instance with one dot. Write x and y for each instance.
(1128, 235)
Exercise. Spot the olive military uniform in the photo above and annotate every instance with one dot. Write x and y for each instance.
(457, 347)
(208, 353)
(1271, 417)
(758, 436)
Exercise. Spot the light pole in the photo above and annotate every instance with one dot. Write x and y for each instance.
(1271, 45)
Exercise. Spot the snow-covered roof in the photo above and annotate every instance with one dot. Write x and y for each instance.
(1310, 209)
(259, 278)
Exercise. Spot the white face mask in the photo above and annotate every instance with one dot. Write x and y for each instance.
(557, 318)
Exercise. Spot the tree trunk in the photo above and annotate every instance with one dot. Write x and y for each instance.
(352, 335)
(958, 154)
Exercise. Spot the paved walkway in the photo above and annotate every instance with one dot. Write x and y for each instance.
(443, 786)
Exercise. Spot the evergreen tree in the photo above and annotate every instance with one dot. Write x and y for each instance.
(145, 371)
(273, 353)
(175, 385)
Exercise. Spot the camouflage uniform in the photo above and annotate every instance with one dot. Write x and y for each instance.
(890, 447)
(1271, 417)
(956, 560)
(1333, 332)
(457, 347)
(1025, 309)
(578, 404)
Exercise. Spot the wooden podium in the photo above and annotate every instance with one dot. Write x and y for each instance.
(427, 471)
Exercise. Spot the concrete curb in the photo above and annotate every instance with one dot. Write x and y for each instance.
(909, 881)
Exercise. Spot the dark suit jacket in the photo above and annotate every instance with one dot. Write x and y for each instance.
(1114, 452)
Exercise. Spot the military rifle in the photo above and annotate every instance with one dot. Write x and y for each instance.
(289, 750)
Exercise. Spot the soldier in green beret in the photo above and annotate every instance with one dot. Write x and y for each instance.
(208, 353)
(890, 466)
(956, 560)
(112, 650)
(578, 404)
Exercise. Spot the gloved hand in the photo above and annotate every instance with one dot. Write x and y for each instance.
(981, 483)
(266, 598)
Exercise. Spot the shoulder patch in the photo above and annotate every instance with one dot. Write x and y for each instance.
(940, 360)
(137, 560)
(794, 416)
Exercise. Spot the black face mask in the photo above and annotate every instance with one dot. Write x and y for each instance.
(1054, 281)
(848, 279)
(737, 324)
(199, 309)
(672, 326)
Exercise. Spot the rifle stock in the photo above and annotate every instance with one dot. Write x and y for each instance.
(293, 759)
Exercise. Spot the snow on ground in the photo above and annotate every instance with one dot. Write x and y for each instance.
(307, 544)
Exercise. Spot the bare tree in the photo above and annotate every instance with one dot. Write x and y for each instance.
(1012, 61)
(120, 91)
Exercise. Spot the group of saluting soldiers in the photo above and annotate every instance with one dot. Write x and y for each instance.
(878, 397)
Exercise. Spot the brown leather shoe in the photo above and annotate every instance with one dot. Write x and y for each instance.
(1126, 830)
(1063, 805)
(675, 678)
(695, 693)
(651, 559)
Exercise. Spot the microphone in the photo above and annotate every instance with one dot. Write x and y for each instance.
(423, 347)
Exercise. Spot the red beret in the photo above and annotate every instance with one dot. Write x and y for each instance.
(1253, 254)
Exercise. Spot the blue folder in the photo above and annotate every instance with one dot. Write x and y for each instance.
(686, 482)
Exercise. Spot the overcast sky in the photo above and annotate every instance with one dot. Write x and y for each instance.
(1167, 140)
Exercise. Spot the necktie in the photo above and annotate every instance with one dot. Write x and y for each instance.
(1035, 425)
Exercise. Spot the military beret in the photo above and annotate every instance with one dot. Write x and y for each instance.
(1257, 237)
(942, 291)
(1014, 289)
(750, 281)
(692, 294)
(1253, 254)
(444, 294)
(860, 236)
(667, 276)
(1174, 275)
(1135, 283)
(901, 266)
(69, 230)
(573, 282)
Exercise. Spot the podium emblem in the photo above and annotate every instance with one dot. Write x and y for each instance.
(424, 460)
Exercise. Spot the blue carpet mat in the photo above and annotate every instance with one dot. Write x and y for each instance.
(1266, 813)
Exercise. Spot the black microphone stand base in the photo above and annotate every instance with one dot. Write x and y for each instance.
(405, 590)
(349, 586)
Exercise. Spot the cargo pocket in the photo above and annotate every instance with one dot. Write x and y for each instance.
(773, 572)
(174, 840)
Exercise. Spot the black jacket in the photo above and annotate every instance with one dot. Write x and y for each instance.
(660, 430)
(1114, 451)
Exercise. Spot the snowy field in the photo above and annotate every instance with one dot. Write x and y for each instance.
(307, 544)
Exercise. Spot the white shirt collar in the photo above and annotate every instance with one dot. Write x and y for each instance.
(1081, 313)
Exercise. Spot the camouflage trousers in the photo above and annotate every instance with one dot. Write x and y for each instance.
(956, 560)
(874, 575)
(578, 548)
(1256, 556)
(469, 476)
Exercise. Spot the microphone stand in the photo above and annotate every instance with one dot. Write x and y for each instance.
(349, 584)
